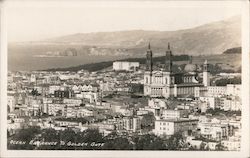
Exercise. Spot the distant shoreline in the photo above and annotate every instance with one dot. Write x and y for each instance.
(48, 56)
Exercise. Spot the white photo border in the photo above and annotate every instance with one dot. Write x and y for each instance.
(245, 84)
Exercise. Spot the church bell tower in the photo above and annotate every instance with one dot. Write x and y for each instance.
(149, 60)
(206, 74)
(168, 60)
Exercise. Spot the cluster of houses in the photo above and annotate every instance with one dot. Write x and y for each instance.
(62, 100)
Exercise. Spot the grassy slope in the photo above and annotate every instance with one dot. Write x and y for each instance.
(226, 61)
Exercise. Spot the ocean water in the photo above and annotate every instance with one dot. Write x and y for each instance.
(25, 58)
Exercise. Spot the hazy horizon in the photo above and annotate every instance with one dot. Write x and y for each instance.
(39, 21)
(120, 31)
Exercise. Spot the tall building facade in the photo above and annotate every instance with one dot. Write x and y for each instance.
(165, 83)
(125, 65)
(206, 74)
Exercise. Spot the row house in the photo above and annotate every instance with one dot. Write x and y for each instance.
(130, 124)
(92, 97)
(230, 104)
(214, 131)
(85, 88)
(232, 144)
(212, 102)
(55, 109)
(63, 94)
(83, 112)
(174, 114)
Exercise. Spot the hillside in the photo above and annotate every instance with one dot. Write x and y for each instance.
(209, 39)
(212, 38)
(226, 62)
(102, 65)
(233, 51)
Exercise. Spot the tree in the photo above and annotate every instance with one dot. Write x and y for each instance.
(204, 147)
(225, 81)
(136, 88)
(118, 143)
(147, 120)
(149, 142)
(50, 135)
(34, 92)
(68, 135)
(24, 135)
(175, 142)
(92, 136)
(220, 147)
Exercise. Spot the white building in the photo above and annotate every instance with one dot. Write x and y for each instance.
(64, 123)
(200, 91)
(55, 109)
(156, 106)
(53, 88)
(230, 74)
(171, 126)
(68, 76)
(230, 104)
(125, 65)
(195, 143)
(11, 102)
(157, 103)
(232, 144)
(216, 91)
(214, 131)
(234, 89)
(206, 74)
(32, 78)
(82, 112)
(212, 102)
(165, 83)
(72, 101)
(173, 114)
(91, 96)
(142, 112)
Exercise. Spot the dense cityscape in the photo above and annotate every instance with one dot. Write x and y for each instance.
(129, 106)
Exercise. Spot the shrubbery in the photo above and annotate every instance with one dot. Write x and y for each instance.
(90, 139)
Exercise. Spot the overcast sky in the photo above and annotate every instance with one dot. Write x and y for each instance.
(29, 21)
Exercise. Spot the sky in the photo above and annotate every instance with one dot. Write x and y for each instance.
(31, 21)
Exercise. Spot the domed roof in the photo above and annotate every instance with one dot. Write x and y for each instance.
(190, 67)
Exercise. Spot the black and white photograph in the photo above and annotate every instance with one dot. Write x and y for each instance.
(126, 76)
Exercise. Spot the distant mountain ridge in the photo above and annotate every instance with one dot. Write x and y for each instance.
(233, 51)
(208, 39)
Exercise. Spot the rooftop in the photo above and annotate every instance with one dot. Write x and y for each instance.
(177, 120)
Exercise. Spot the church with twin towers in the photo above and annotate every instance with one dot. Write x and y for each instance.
(166, 83)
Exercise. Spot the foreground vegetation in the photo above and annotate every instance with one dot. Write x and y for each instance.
(34, 138)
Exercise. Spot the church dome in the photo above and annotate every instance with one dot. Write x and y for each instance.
(190, 68)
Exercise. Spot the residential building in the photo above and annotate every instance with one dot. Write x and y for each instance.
(169, 127)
